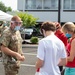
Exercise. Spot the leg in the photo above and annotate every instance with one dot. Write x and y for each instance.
(61, 68)
(10, 71)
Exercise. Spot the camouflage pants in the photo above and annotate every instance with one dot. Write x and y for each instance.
(10, 70)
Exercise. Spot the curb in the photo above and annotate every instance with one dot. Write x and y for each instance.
(29, 46)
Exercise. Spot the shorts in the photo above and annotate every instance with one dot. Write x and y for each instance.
(69, 71)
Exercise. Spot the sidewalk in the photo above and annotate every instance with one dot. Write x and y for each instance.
(29, 45)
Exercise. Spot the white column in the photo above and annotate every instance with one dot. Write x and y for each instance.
(42, 4)
(62, 8)
(23, 5)
(62, 4)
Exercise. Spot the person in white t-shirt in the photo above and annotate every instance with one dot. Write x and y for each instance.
(51, 51)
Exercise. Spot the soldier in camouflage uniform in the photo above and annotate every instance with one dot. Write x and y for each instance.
(11, 46)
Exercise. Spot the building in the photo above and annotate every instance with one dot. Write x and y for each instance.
(47, 10)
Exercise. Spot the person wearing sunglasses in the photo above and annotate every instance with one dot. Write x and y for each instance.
(11, 46)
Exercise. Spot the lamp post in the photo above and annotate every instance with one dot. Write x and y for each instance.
(59, 7)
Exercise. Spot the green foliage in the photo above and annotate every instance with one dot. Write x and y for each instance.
(9, 9)
(4, 8)
(34, 40)
(28, 20)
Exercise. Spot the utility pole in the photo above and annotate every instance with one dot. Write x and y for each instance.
(59, 10)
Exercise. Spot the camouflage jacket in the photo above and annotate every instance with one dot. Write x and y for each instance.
(11, 39)
(1, 30)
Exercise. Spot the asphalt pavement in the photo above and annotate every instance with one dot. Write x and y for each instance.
(28, 66)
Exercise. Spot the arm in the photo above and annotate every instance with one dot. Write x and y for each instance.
(40, 55)
(72, 52)
(63, 55)
(62, 62)
(12, 53)
(39, 63)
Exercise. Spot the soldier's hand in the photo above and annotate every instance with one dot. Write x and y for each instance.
(23, 58)
(19, 57)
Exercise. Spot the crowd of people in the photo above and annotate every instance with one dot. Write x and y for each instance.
(55, 50)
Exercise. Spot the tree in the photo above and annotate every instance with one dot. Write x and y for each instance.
(9, 9)
(28, 19)
(4, 8)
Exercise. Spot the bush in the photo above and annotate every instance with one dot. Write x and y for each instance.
(28, 19)
(34, 40)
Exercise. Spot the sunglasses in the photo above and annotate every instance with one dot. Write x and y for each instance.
(17, 23)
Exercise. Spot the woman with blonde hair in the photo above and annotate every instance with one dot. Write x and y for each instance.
(69, 28)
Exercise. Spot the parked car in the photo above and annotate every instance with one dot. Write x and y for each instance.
(27, 33)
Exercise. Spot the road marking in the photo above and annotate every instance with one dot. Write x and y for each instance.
(24, 65)
(29, 54)
(28, 65)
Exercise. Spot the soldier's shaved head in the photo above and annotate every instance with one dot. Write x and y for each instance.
(15, 18)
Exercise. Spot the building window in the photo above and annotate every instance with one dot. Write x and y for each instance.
(69, 4)
(73, 4)
(38, 4)
(30, 4)
(41, 4)
(46, 4)
(54, 4)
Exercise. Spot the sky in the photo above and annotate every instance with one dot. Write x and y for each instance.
(10, 3)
